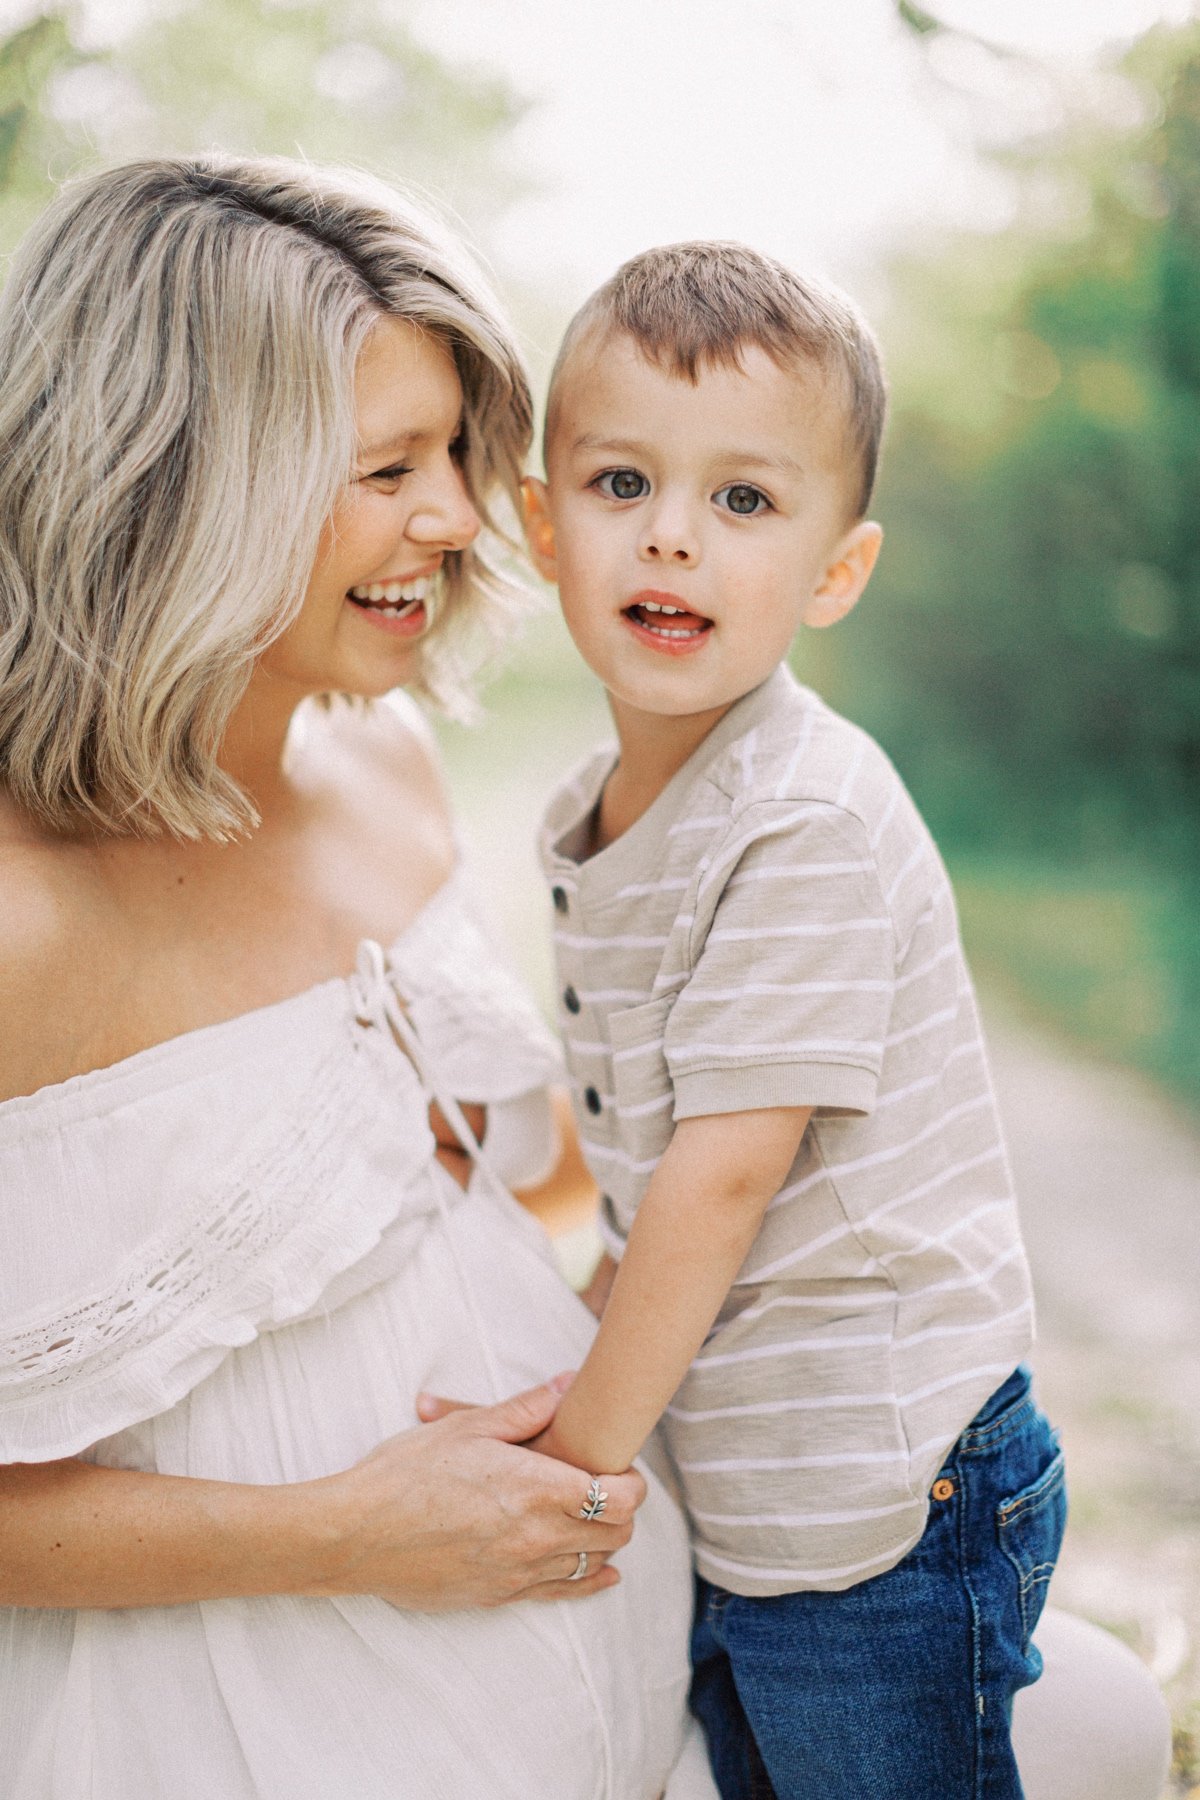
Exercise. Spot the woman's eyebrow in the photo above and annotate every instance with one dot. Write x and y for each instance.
(401, 440)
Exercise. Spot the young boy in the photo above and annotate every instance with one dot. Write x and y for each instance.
(819, 1284)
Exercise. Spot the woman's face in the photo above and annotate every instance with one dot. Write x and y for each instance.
(364, 612)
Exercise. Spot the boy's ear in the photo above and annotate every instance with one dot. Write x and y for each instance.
(846, 576)
(539, 529)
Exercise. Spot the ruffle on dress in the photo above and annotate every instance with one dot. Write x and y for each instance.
(164, 1211)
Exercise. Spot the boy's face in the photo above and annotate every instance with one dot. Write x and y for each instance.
(724, 500)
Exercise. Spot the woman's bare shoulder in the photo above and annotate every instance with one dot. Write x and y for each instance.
(53, 931)
(384, 762)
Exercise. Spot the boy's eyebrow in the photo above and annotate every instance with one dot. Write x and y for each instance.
(781, 462)
(618, 446)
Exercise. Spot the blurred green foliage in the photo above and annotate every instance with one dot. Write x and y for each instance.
(1029, 650)
(344, 82)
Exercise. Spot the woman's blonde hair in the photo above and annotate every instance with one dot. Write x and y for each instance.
(178, 340)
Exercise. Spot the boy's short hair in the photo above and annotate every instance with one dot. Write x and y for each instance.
(691, 304)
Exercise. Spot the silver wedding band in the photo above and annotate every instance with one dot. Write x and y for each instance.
(580, 1568)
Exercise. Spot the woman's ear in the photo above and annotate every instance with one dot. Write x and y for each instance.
(539, 529)
(846, 576)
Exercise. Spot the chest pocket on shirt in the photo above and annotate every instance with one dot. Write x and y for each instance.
(641, 1085)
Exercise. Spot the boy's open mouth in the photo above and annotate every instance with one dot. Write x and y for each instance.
(666, 620)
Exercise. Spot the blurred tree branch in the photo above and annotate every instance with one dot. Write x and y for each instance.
(917, 19)
(334, 80)
(1032, 653)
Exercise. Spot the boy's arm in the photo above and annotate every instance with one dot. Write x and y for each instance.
(595, 1294)
(693, 1229)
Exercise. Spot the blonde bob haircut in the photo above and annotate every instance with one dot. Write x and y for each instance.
(178, 341)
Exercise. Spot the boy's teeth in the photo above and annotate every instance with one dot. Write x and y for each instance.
(653, 616)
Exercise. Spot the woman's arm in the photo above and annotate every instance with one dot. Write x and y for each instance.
(453, 1514)
(693, 1229)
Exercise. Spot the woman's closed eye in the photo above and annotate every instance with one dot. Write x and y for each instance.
(743, 499)
(622, 484)
(391, 476)
(394, 473)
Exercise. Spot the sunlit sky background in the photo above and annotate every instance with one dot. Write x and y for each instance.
(814, 128)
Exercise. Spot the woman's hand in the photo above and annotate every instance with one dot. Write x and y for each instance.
(459, 1513)
(452, 1514)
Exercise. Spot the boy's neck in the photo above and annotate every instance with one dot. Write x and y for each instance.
(653, 749)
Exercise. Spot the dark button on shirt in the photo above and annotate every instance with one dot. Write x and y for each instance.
(592, 1100)
(559, 897)
(571, 1000)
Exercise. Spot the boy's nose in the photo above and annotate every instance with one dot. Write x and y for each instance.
(668, 538)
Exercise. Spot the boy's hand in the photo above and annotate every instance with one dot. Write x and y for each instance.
(595, 1294)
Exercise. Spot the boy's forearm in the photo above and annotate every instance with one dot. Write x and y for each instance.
(691, 1235)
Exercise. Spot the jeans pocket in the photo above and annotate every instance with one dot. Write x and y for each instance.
(1029, 1526)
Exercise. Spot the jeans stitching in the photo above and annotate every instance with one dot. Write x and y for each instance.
(1044, 1491)
(977, 1440)
(1049, 1490)
(958, 1474)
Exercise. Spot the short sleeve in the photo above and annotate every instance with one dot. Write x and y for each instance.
(794, 969)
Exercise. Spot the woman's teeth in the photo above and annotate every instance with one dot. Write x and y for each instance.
(392, 596)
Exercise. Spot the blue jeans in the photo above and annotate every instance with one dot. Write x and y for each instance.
(900, 1688)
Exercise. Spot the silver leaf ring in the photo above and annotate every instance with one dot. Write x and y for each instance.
(595, 1502)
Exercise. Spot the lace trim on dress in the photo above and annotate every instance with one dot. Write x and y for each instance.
(257, 1244)
(258, 1250)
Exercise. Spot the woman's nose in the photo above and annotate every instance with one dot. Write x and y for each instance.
(445, 513)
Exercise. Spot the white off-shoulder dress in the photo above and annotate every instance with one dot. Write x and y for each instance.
(234, 1255)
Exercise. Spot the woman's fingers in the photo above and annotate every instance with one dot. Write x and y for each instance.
(431, 1407)
(623, 1494)
(564, 1568)
(460, 1512)
(592, 1583)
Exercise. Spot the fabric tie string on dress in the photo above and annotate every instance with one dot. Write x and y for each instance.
(378, 1004)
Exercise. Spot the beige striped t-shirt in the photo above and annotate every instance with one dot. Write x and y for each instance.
(778, 930)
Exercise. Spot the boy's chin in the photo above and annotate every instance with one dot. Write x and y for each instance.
(682, 701)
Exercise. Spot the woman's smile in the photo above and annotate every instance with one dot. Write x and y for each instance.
(397, 606)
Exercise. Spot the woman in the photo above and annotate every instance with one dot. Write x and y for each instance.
(251, 416)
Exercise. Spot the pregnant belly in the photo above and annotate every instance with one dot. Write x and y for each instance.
(287, 1699)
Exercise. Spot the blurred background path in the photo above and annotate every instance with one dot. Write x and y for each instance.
(1109, 1177)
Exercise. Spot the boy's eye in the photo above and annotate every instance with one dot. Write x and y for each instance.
(739, 497)
(623, 484)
